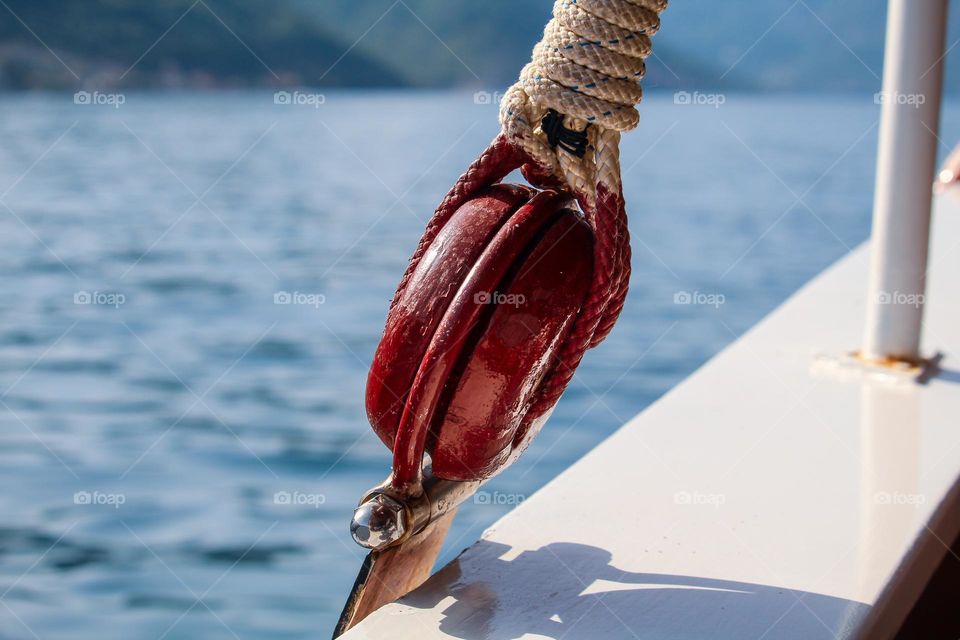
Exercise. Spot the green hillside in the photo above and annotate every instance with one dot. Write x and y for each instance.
(453, 42)
(784, 45)
(174, 43)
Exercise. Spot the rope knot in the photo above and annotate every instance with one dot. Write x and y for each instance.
(570, 140)
(587, 69)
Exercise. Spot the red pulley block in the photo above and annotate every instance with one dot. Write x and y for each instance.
(507, 289)
(474, 331)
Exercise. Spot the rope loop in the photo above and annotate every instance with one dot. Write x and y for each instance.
(583, 82)
(587, 67)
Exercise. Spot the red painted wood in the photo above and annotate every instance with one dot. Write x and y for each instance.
(538, 305)
(420, 305)
(475, 330)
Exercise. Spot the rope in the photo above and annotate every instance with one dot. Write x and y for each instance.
(586, 68)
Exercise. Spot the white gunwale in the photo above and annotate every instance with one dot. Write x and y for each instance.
(762, 497)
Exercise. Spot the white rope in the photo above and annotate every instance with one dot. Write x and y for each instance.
(587, 67)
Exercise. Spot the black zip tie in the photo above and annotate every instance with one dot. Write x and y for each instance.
(572, 141)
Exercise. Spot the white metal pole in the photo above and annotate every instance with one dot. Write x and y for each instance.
(912, 81)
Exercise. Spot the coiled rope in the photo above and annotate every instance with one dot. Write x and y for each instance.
(586, 68)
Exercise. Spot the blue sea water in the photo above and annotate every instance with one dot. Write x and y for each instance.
(180, 454)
